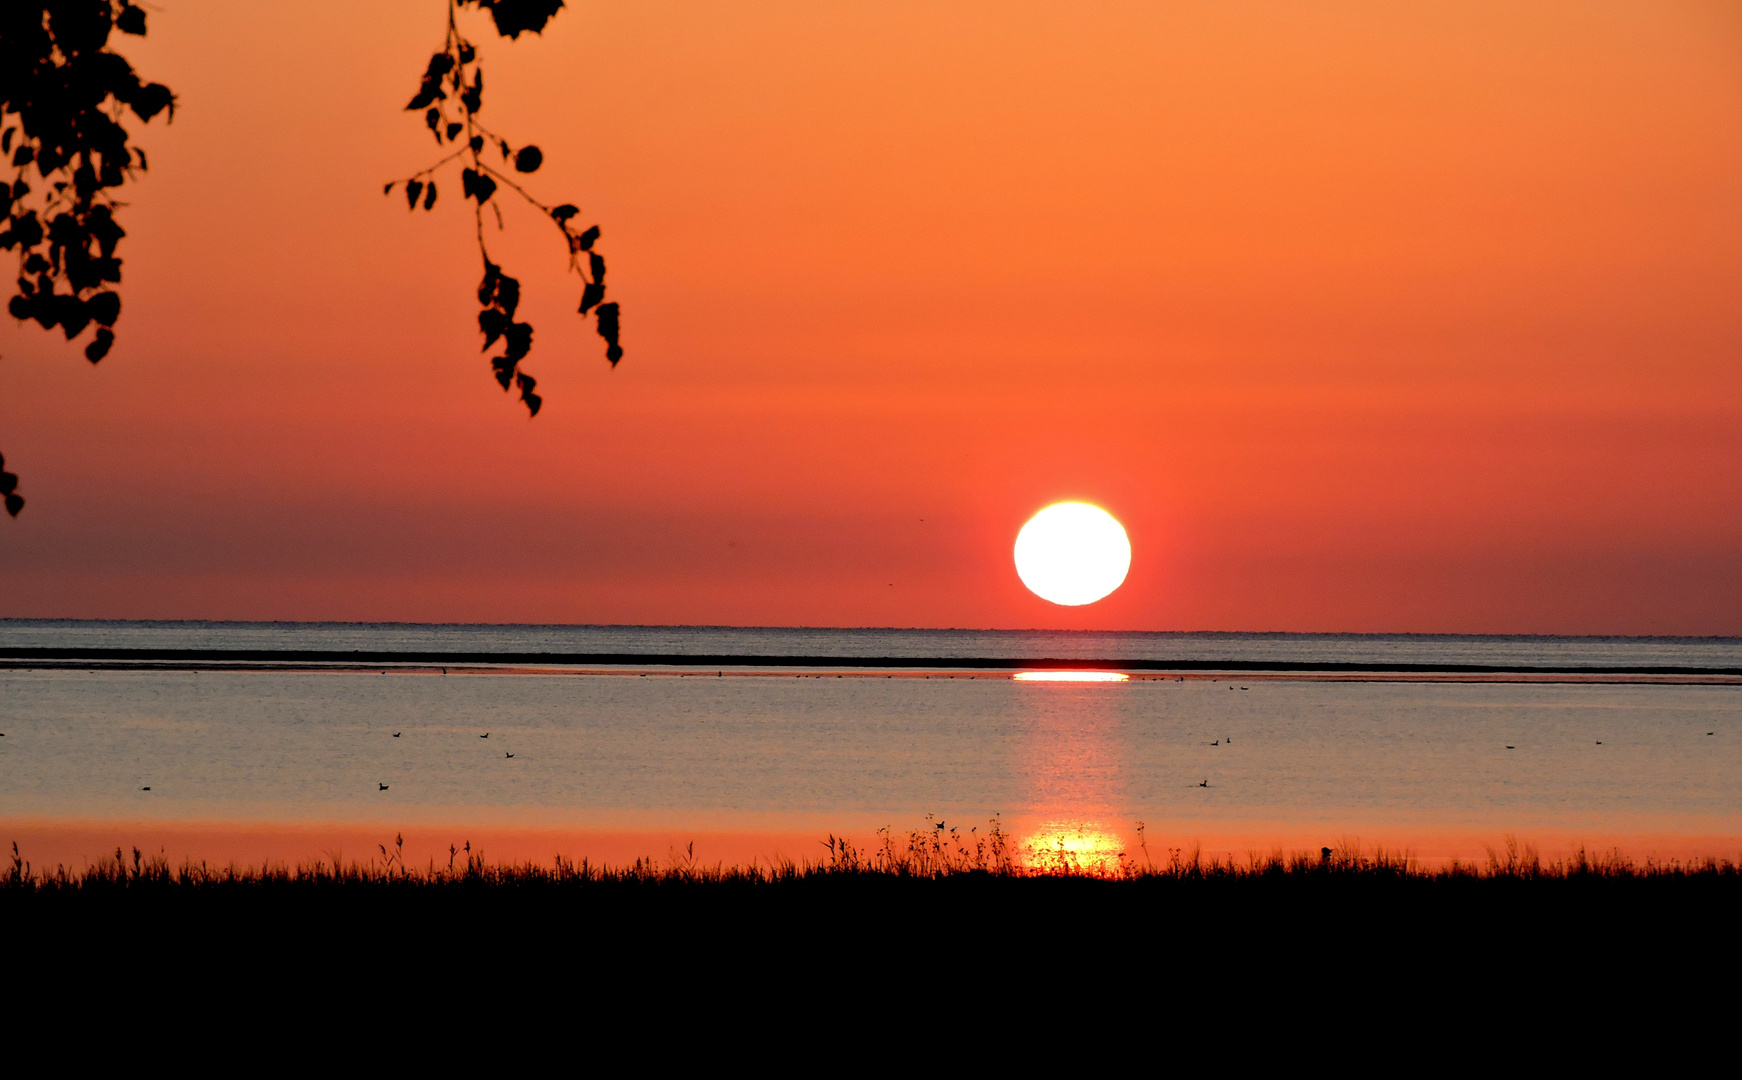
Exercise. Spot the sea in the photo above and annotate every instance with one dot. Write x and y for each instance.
(615, 742)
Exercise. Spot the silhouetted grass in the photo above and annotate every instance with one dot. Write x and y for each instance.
(932, 919)
(933, 854)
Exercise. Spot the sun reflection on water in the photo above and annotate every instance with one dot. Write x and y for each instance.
(1072, 754)
(1073, 848)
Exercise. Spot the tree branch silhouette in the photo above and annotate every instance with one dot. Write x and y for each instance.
(450, 97)
(63, 94)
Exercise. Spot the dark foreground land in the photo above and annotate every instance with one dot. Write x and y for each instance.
(895, 939)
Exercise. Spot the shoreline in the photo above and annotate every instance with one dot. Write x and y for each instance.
(76, 843)
(689, 666)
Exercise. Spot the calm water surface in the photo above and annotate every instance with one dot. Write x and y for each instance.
(800, 751)
(941, 644)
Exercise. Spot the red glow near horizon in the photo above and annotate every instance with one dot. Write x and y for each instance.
(1368, 319)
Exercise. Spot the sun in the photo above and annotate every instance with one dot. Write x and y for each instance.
(1072, 553)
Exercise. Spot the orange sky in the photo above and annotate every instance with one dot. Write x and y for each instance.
(1388, 316)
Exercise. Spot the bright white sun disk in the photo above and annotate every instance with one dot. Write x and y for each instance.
(1072, 553)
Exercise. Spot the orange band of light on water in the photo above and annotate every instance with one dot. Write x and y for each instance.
(1070, 676)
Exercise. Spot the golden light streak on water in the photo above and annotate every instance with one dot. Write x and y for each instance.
(1070, 676)
(1075, 848)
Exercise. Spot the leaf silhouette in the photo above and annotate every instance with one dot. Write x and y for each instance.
(492, 323)
(148, 101)
(73, 317)
(99, 346)
(9, 488)
(528, 159)
(608, 329)
(565, 211)
(517, 339)
(592, 294)
(413, 188)
(533, 401)
(587, 238)
(430, 196)
(483, 187)
(104, 308)
(515, 17)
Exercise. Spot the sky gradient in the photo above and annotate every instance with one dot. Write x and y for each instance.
(1360, 317)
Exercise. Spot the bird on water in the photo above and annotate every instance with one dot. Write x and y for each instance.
(396, 734)
(1206, 783)
(486, 735)
(383, 786)
(507, 755)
